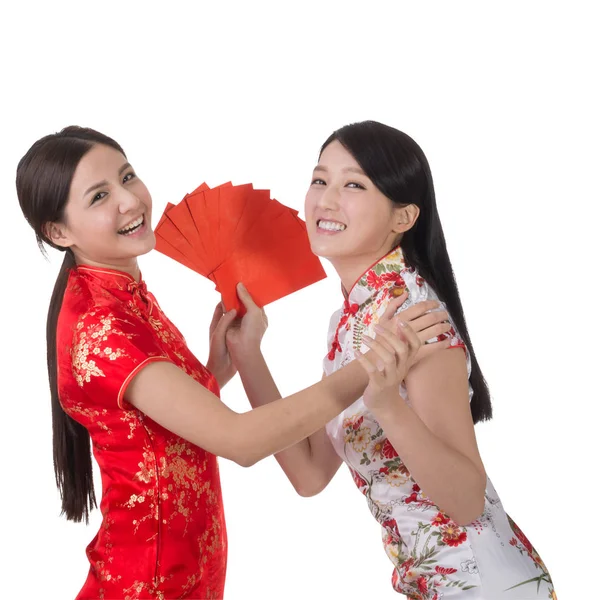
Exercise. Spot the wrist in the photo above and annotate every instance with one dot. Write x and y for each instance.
(223, 380)
(244, 357)
(388, 406)
(217, 373)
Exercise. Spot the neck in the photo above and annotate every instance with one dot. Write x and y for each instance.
(126, 266)
(351, 268)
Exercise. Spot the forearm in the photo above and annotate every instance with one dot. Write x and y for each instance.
(297, 416)
(222, 378)
(257, 380)
(449, 478)
(261, 389)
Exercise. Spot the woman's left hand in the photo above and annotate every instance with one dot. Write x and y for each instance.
(219, 360)
(245, 335)
(391, 356)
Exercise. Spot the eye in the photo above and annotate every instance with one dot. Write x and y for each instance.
(355, 186)
(129, 177)
(98, 197)
(317, 182)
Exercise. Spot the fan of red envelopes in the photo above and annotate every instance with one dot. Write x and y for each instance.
(235, 233)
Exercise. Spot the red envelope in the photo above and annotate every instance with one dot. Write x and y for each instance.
(236, 233)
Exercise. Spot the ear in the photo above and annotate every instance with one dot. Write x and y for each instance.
(57, 234)
(405, 217)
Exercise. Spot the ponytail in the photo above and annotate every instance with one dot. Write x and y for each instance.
(44, 177)
(70, 439)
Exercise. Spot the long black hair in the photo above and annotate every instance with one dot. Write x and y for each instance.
(397, 166)
(44, 177)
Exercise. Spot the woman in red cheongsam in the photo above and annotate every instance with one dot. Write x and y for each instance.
(122, 375)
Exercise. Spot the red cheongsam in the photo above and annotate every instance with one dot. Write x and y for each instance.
(163, 529)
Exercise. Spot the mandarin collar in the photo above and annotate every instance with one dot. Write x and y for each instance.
(113, 279)
(383, 274)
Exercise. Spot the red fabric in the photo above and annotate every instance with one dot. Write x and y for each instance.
(163, 530)
(349, 311)
(236, 233)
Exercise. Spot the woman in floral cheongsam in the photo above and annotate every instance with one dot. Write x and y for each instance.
(409, 442)
(122, 376)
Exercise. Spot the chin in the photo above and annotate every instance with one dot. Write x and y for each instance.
(141, 248)
(149, 244)
(326, 250)
(326, 253)
(318, 250)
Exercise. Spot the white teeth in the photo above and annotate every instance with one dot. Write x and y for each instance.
(132, 226)
(331, 226)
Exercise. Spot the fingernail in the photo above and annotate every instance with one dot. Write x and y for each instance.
(403, 323)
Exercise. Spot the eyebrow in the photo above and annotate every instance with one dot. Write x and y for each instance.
(357, 170)
(103, 183)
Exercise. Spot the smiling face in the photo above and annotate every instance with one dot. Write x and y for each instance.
(349, 221)
(107, 219)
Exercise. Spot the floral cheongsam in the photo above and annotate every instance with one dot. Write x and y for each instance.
(433, 557)
(163, 529)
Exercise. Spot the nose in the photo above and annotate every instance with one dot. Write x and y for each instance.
(127, 200)
(329, 198)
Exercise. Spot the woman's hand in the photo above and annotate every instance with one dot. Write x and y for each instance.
(245, 334)
(392, 355)
(219, 360)
(427, 325)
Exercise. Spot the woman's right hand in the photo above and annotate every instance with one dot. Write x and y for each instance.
(245, 335)
(425, 324)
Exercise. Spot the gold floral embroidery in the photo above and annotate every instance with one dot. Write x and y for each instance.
(134, 309)
(89, 342)
(183, 486)
(132, 418)
(190, 583)
(211, 538)
(103, 572)
(165, 335)
(137, 587)
(90, 414)
(181, 358)
(184, 477)
(146, 474)
(133, 499)
(152, 507)
(167, 493)
(200, 375)
(147, 470)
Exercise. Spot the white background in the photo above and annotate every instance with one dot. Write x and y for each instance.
(502, 98)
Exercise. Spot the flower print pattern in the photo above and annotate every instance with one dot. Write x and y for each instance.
(433, 556)
(453, 535)
(469, 566)
(525, 548)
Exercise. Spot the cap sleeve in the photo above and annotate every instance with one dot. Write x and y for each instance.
(108, 350)
(419, 291)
